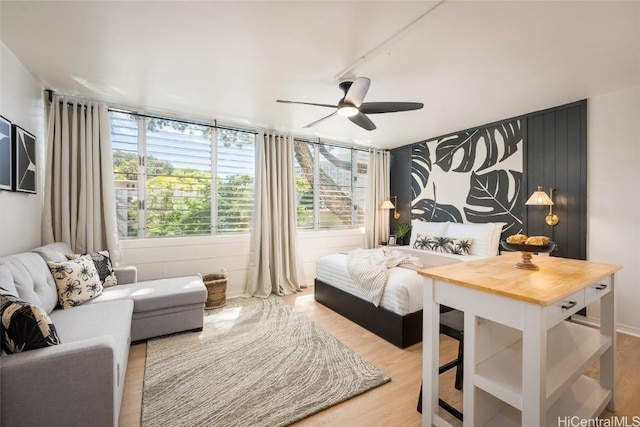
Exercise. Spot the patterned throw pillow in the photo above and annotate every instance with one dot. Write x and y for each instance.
(102, 261)
(77, 280)
(24, 326)
(447, 245)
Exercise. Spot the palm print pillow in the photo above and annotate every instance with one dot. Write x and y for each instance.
(77, 280)
(449, 245)
(24, 326)
(102, 261)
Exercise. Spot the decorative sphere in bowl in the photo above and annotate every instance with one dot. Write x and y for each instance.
(549, 247)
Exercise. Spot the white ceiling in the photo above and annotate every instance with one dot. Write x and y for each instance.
(470, 62)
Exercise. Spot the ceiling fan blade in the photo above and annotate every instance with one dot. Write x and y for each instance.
(363, 121)
(306, 103)
(318, 121)
(357, 91)
(389, 107)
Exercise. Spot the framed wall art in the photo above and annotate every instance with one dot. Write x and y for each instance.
(6, 149)
(24, 160)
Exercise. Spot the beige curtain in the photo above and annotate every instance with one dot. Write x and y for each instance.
(376, 222)
(274, 262)
(79, 198)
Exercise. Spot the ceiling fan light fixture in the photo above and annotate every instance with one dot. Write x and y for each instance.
(347, 110)
(352, 106)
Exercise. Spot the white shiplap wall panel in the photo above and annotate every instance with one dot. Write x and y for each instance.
(315, 245)
(176, 256)
(148, 271)
(235, 283)
(215, 264)
(180, 268)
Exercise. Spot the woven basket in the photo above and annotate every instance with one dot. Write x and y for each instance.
(216, 284)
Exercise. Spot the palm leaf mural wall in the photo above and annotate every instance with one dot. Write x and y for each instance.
(471, 176)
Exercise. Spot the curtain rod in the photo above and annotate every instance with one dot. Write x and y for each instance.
(215, 124)
(189, 122)
(51, 93)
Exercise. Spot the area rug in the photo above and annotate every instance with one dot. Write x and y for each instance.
(257, 362)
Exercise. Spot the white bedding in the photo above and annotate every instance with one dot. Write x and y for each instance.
(404, 290)
(369, 269)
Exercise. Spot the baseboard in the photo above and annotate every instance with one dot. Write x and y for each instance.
(585, 320)
(236, 294)
(629, 330)
(595, 322)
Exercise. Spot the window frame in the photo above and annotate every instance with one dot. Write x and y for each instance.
(316, 153)
(142, 177)
(142, 191)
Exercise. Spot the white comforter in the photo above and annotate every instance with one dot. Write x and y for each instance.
(369, 269)
(404, 290)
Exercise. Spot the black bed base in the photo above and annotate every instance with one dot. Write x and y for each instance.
(401, 331)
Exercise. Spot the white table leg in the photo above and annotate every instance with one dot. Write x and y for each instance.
(430, 354)
(468, 398)
(608, 359)
(534, 367)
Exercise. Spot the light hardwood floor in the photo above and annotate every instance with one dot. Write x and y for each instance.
(393, 404)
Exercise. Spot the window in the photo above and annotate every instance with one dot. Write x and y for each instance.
(164, 174)
(235, 180)
(124, 136)
(305, 179)
(360, 164)
(177, 170)
(175, 178)
(330, 182)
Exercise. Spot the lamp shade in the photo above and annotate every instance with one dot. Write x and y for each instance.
(539, 198)
(387, 205)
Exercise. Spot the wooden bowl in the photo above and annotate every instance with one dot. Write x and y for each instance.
(526, 251)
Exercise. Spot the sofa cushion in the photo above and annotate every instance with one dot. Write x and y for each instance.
(88, 321)
(77, 280)
(28, 274)
(158, 294)
(6, 280)
(24, 326)
(125, 275)
(56, 252)
(102, 261)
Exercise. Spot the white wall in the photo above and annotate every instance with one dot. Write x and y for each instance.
(175, 256)
(613, 223)
(21, 102)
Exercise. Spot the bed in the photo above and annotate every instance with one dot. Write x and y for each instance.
(398, 318)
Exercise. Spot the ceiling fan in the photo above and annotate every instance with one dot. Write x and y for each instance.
(352, 107)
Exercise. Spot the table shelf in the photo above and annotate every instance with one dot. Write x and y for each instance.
(585, 399)
(571, 349)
